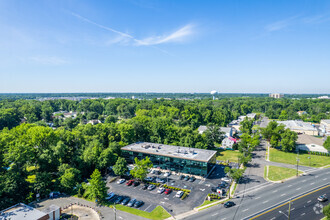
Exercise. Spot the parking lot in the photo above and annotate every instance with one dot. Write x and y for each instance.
(199, 190)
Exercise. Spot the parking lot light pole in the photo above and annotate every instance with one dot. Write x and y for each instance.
(297, 161)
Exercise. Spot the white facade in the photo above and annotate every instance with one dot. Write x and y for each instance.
(227, 143)
(325, 126)
(310, 143)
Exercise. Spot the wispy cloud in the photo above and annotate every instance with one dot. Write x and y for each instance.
(316, 19)
(177, 36)
(279, 25)
(48, 60)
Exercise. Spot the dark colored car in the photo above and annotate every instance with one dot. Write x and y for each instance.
(182, 177)
(131, 203)
(145, 186)
(130, 182)
(138, 204)
(136, 183)
(119, 199)
(229, 204)
(125, 201)
(192, 179)
(186, 178)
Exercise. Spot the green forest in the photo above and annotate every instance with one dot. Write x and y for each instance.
(41, 150)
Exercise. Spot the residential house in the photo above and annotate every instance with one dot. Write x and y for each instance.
(228, 142)
(300, 113)
(227, 130)
(94, 122)
(309, 143)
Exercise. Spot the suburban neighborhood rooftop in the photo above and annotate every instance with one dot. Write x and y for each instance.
(21, 211)
(171, 151)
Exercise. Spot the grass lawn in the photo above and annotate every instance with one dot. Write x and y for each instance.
(157, 214)
(280, 173)
(230, 155)
(206, 202)
(290, 158)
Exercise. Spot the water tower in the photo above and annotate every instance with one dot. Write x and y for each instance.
(213, 92)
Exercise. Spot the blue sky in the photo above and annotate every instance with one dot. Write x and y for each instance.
(165, 46)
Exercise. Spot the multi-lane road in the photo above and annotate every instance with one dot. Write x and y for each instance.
(304, 207)
(266, 196)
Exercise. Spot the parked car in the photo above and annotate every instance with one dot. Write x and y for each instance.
(138, 204)
(110, 195)
(130, 182)
(125, 201)
(322, 198)
(54, 194)
(167, 191)
(160, 190)
(214, 189)
(145, 186)
(159, 180)
(182, 177)
(119, 199)
(151, 187)
(131, 203)
(136, 183)
(121, 181)
(179, 194)
(167, 174)
(192, 179)
(186, 178)
(226, 179)
(229, 204)
(149, 179)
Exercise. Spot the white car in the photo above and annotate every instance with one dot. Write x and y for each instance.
(167, 174)
(121, 181)
(179, 194)
(226, 179)
(160, 190)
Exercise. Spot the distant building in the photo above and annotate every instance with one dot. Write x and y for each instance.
(227, 130)
(324, 97)
(236, 124)
(276, 95)
(21, 211)
(300, 127)
(94, 122)
(300, 113)
(309, 143)
(325, 126)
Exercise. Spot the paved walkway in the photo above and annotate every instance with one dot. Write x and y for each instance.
(106, 212)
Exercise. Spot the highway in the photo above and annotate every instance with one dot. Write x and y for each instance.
(264, 197)
(305, 207)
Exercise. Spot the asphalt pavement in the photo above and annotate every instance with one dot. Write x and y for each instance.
(264, 197)
(306, 207)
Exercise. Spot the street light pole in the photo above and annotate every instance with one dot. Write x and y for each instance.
(289, 209)
(297, 161)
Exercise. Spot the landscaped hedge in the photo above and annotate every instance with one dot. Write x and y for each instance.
(213, 196)
(317, 153)
(156, 184)
(177, 189)
(184, 196)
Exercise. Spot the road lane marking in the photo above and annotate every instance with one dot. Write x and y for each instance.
(325, 179)
(245, 210)
(312, 183)
(272, 218)
(147, 207)
(304, 181)
(274, 191)
(265, 201)
(257, 198)
(303, 214)
(215, 214)
(309, 201)
(283, 194)
(298, 188)
(292, 209)
(280, 205)
(289, 185)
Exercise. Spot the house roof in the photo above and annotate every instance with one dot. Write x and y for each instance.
(298, 125)
(307, 139)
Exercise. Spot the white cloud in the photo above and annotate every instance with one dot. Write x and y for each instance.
(177, 36)
(316, 19)
(45, 60)
(279, 25)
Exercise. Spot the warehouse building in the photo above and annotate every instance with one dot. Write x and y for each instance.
(174, 158)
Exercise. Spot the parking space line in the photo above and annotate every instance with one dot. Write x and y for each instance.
(148, 207)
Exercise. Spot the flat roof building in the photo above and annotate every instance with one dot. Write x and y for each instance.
(175, 158)
(300, 127)
(21, 211)
(276, 95)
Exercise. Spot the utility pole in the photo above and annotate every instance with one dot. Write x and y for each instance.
(297, 161)
(114, 209)
(289, 209)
